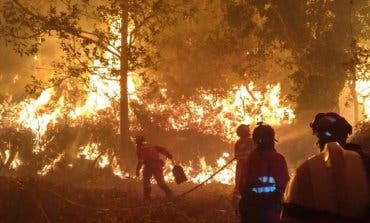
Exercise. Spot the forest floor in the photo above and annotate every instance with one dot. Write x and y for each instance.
(31, 200)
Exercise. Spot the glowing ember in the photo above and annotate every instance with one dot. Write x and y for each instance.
(45, 170)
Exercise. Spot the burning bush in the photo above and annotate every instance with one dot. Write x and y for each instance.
(76, 132)
(15, 147)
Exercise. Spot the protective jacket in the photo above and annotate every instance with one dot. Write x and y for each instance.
(332, 186)
(149, 156)
(263, 163)
(242, 149)
(264, 177)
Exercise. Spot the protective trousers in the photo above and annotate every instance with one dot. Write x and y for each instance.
(260, 208)
(155, 170)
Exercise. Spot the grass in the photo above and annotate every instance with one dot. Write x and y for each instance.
(40, 200)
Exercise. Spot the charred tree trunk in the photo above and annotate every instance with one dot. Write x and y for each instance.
(124, 119)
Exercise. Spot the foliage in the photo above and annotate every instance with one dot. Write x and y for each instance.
(87, 31)
(314, 31)
(359, 64)
(107, 38)
(220, 49)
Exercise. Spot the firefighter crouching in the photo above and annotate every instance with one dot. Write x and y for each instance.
(242, 148)
(149, 157)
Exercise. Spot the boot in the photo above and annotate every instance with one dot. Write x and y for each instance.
(167, 190)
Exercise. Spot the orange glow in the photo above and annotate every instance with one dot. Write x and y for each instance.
(206, 113)
(363, 93)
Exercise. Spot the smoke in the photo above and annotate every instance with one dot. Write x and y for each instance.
(16, 71)
(296, 143)
(211, 54)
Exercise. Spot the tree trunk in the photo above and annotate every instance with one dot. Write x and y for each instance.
(355, 101)
(352, 86)
(124, 120)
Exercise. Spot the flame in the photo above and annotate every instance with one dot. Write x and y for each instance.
(89, 152)
(117, 170)
(201, 172)
(48, 167)
(32, 115)
(205, 112)
(220, 116)
(29, 115)
(14, 164)
(363, 94)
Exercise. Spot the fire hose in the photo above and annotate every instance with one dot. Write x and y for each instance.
(174, 200)
(204, 181)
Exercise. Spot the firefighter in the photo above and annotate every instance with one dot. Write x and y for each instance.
(332, 186)
(264, 177)
(242, 148)
(149, 157)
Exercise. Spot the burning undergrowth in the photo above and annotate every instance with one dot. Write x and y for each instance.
(67, 128)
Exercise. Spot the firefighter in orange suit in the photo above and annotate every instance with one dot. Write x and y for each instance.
(264, 176)
(332, 186)
(242, 148)
(149, 157)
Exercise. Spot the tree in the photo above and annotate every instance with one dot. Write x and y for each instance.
(116, 36)
(221, 50)
(318, 35)
(358, 66)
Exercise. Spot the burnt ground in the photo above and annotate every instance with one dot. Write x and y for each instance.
(32, 200)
